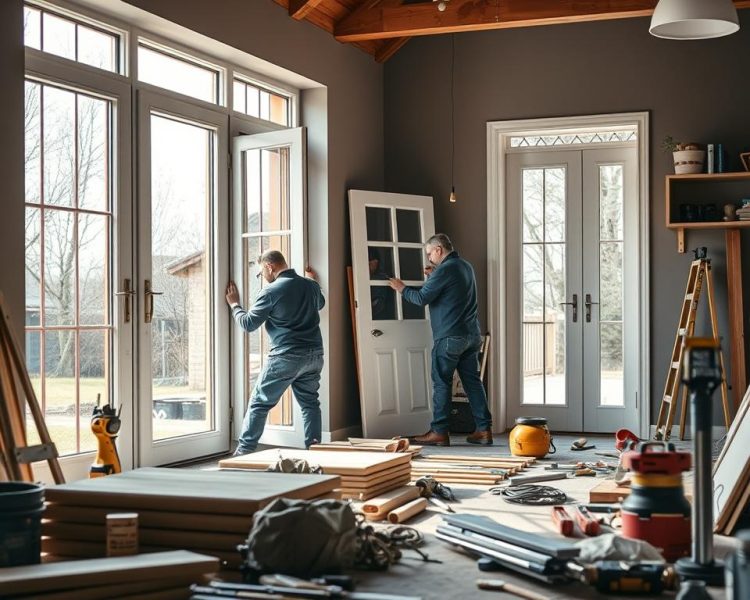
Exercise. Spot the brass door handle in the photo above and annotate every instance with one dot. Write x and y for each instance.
(126, 294)
(149, 293)
(574, 304)
(589, 304)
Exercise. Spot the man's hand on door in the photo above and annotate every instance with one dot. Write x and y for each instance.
(232, 294)
(396, 284)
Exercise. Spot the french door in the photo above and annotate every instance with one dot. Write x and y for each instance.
(183, 399)
(572, 243)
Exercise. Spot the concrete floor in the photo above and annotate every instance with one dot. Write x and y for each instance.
(455, 577)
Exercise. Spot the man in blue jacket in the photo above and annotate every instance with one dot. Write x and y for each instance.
(451, 293)
(289, 307)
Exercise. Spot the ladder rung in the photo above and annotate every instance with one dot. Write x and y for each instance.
(676, 365)
(689, 296)
(682, 331)
(667, 400)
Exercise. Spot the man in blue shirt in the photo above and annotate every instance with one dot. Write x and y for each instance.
(289, 307)
(451, 293)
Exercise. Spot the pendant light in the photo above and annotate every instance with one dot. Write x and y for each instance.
(693, 19)
(452, 197)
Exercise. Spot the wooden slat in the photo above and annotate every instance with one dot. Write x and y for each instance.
(299, 9)
(736, 315)
(380, 19)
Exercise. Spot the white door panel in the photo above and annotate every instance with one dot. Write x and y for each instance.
(394, 337)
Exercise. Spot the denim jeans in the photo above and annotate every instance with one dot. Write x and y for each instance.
(457, 353)
(297, 368)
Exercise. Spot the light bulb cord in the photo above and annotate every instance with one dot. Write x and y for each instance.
(453, 113)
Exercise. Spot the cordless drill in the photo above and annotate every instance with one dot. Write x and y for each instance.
(620, 577)
(105, 424)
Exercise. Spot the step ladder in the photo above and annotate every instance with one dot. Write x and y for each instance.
(699, 274)
(16, 394)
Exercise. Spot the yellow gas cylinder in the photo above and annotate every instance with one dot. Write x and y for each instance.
(530, 437)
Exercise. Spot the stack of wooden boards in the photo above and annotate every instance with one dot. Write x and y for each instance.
(468, 469)
(371, 445)
(364, 475)
(163, 575)
(205, 511)
(731, 475)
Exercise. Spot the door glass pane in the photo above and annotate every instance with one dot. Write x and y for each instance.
(412, 311)
(92, 153)
(611, 296)
(378, 224)
(543, 287)
(408, 226)
(253, 182)
(93, 257)
(58, 111)
(93, 382)
(410, 263)
(380, 263)
(181, 198)
(60, 389)
(33, 266)
(33, 150)
(59, 278)
(383, 303)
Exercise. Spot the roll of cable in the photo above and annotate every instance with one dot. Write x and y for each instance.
(535, 495)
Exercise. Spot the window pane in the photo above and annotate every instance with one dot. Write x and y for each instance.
(252, 190)
(610, 283)
(32, 31)
(533, 290)
(412, 311)
(93, 384)
(533, 204)
(378, 224)
(408, 226)
(93, 269)
(380, 262)
(59, 274)
(97, 48)
(93, 148)
(611, 202)
(59, 36)
(177, 75)
(32, 144)
(274, 177)
(554, 205)
(265, 110)
(279, 109)
(239, 102)
(277, 242)
(410, 262)
(253, 101)
(33, 265)
(60, 390)
(59, 146)
(383, 303)
(533, 363)
(612, 387)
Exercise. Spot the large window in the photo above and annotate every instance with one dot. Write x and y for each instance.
(68, 281)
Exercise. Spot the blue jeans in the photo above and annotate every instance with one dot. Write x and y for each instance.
(298, 368)
(457, 353)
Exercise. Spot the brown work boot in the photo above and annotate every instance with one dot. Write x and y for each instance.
(431, 438)
(483, 438)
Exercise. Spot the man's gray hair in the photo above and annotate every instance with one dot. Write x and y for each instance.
(272, 257)
(442, 240)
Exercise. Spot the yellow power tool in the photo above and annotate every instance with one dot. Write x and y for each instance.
(105, 423)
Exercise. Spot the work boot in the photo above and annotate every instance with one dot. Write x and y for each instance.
(431, 438)
(483, 438)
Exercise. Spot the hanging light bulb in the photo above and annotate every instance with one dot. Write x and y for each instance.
(452, 197)
(442, 4)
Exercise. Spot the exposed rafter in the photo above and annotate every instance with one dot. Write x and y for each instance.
(383, 19)
(299, 9)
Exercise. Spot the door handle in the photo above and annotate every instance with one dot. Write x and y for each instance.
(589, 303)
(149, 293)
(376, 333)
(574, 304)
(126, 294)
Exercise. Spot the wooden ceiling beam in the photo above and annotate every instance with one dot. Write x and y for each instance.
(382, 19)
(389, 48)
(299, 9)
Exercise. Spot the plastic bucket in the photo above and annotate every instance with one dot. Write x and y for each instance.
(21, 507)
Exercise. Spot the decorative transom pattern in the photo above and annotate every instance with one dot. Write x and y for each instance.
(574, 139)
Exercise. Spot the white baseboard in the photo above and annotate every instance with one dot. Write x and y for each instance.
(342, 434)
(717, 432)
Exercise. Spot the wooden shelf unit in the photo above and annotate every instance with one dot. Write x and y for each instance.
(671, 201)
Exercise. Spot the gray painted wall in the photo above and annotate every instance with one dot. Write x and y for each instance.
(693, 90)
(11, 161)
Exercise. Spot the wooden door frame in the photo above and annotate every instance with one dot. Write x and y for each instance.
(498, 134)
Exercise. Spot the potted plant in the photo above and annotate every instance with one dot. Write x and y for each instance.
(688, 157)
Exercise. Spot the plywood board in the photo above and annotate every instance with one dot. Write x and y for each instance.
(368, 482)
(331, 461)
(106, 592)
(609, 491)
(31, 579)
(162, 519)
(188, 490)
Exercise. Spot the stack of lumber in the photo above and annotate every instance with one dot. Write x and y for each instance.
(205, 511)
(468, 469)
(364, 475)
(161, 575)
(371, 445)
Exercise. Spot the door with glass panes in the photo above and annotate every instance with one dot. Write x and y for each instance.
(572, 280)
(393, 336)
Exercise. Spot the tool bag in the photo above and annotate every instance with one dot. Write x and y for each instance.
(301, 538)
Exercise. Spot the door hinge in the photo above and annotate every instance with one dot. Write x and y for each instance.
(636, 400)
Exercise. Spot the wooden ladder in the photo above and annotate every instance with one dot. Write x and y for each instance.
(16, 456)
(700, 273)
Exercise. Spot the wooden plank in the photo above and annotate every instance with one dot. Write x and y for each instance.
(369, 482)
(32, 579)
(332, 462)
(477, 459)
(736, 314)
(299, 9)
(376, 491)
(609, 491)
(391, 18)
(96, 515)
(105, 592)
(188, 490)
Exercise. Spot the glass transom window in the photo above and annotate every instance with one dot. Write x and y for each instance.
(261, 103)
(574, 138)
